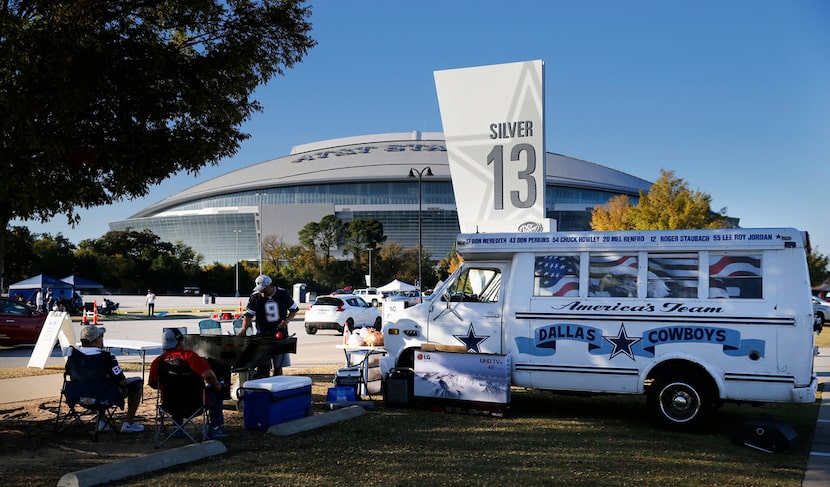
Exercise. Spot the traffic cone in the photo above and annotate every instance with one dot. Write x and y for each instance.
(84, 321)
(95, 312)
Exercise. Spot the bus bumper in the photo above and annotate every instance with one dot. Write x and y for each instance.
(806, 394)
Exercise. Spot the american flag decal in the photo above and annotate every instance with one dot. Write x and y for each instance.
(557, 275)
(735, 276)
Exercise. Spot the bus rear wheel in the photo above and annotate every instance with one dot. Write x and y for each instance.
(681, 403)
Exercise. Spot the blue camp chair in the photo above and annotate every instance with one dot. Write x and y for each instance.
(90, 397)
(237, 327)
(210, 327)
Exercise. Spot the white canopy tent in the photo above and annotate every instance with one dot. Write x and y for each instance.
(397, 285)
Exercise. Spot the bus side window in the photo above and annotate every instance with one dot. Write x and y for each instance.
(556, 275)
(476, 286)
(735, 276)
(672, 276)
(613, 275)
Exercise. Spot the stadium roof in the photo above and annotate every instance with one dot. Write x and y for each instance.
(380, 157)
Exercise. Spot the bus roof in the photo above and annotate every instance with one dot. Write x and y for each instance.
(634, 240)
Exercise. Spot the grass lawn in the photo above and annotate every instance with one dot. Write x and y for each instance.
(546, 439)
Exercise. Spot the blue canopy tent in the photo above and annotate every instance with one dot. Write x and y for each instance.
(28, 287)
(78, 282)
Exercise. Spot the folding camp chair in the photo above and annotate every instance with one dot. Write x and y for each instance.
(210, 327)
(181, 404)
(91, 398)
(237, 327)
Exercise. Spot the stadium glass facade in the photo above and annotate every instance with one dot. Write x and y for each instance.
(355, 178)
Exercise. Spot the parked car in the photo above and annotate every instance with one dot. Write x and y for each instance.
(370, 295)
(336, 312)
(409, 298)
(821, 311)
(19, 324)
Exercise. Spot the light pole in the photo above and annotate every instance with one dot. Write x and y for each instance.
(369, 283)
(413, 173)
(259, 213)
(236, 278)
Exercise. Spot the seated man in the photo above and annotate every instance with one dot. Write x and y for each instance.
(92, 343)
(175, 354)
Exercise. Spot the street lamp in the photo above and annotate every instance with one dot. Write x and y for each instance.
(259, 213)
(413, 173)
(369, 282)
(236, 278)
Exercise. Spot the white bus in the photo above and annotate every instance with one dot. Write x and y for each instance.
(692, 318)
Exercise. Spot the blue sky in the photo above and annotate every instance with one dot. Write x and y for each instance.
(733, 96)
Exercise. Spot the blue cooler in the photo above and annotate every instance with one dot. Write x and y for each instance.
(275, 400)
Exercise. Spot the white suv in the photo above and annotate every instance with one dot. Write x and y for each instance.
(370, 295)
(821, 310)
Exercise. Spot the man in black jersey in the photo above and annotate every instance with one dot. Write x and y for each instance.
(273, 308)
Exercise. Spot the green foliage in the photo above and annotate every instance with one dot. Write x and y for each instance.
(449, 263)
(135, 261)
(668, 205)
(20, 244)
(104, 99)
(361, 234)
(323, 236)
(817, 264)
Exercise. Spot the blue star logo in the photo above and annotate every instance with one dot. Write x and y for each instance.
(622, 343)
(471, 340)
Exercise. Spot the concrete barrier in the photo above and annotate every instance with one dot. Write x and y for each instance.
(139, 465)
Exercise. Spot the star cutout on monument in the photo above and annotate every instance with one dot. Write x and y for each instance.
(471, 340)
(622, 343)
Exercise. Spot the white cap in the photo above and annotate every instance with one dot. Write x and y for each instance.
(262, 282)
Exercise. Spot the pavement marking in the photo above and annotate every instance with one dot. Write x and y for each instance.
(819, 454)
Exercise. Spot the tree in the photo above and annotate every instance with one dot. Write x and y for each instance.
(21, 243)
(613, 215)
(449, 263)
(55, 254)
(817, 265)
(107, 98)
(361, 235)
(323, 236)
(669, 204)
(132, 260)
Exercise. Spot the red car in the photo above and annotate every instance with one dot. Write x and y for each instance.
(19, 324)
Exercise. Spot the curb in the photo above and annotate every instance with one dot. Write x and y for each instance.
(316, 421)
(135, 466)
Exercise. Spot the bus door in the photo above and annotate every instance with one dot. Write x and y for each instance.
(470, 313)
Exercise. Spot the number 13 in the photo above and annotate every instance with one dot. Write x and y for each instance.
(496, 157)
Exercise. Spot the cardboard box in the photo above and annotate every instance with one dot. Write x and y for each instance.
(275, 400)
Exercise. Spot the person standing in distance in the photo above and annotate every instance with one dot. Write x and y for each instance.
(151, 303)
(273, 308)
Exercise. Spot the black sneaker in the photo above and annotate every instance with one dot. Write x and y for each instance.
(217, 432)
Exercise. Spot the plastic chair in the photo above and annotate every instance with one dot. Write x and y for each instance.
(237, 327)
(181, 404)
(91, 397)
(210, 327)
